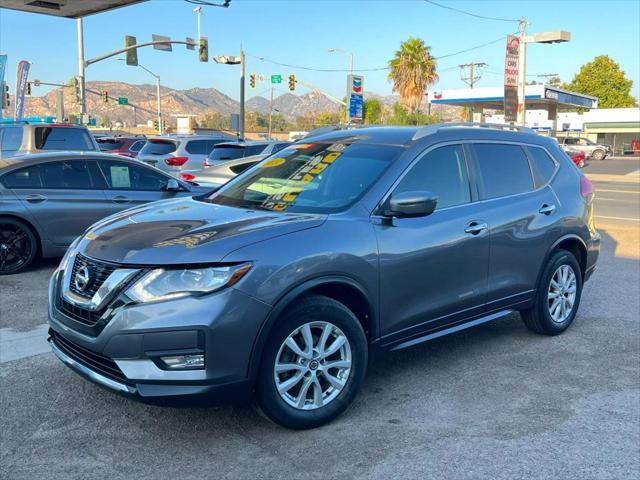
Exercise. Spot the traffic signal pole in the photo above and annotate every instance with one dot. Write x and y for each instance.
(242, 62)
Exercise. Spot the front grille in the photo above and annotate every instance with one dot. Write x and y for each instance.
(92, 360)
(79, 314)
(98, 273)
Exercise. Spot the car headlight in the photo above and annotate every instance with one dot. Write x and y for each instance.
(160, 284)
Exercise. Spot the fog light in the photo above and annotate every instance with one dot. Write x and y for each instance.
(191, 361)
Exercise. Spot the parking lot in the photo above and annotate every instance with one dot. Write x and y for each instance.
(496, 401)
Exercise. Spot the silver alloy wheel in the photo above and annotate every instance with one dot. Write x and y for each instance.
(562, 293)
(312, 366)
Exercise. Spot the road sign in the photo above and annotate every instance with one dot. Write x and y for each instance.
(276, 78)
(191, 43)
(166, 47)
(123, 101)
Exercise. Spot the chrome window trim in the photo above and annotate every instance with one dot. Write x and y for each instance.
(116, 279)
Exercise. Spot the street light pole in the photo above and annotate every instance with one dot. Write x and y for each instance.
(242, 64)
(198, 11)
(81, 65)
(159, 106)
(333, 50)
(270, 111)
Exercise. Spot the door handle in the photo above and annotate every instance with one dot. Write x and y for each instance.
(547, 209)
(36, 198)
(121, 199)
(474, 228)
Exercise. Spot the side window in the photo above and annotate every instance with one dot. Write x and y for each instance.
(570, 141)
(196, 147)
(72, 174)
(11, 140)
(442, 171)
(125, 176)
(137, 146)
(23, 178)
(542, 165)
(504, 170)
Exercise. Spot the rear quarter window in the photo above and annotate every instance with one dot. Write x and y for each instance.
(10, 139)
(542, 165)
(62, 138)
(23, 178)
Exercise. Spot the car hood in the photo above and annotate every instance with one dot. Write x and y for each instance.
(185, 231)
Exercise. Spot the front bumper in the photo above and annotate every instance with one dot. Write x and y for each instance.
(124, 355)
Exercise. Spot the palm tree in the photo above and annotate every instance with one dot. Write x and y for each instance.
(412, 70)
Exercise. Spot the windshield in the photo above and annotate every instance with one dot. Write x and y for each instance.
(159, 147)
(313, 178)
(62, 138)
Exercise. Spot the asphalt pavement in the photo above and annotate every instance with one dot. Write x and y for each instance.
(495, 401)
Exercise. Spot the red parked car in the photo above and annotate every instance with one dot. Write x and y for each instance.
(579, 158)
(126, 146)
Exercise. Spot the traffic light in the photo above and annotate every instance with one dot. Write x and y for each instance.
(27, 90)
(204, 49)
(105, 96)
(5, 95)
(252, 80)
(155, 124)
(292, 82)
(131, 55)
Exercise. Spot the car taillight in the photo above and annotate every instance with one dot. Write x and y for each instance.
(586, 187)
(176, 161)
(206, 162)
(187, 176)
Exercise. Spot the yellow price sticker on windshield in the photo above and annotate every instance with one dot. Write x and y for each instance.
(274, 162)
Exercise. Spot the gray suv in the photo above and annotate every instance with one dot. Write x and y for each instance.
(283, 283)
(591, 149)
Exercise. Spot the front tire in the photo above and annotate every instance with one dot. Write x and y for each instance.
(313, 364)
(557, 297)
(18, 246)
(598, 155)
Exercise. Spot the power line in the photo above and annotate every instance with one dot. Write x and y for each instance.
(334, 70)
(469, 13)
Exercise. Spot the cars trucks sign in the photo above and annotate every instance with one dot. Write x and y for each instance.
(511, 65)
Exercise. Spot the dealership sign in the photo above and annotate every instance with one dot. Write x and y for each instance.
(511, 66)
(355, 98)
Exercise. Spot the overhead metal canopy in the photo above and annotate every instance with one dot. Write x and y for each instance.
(66, 8)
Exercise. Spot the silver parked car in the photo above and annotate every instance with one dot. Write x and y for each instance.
(175, 154)
(22, 138)
(48, 200)
(234, 150)
(224, 171)
(592, 150)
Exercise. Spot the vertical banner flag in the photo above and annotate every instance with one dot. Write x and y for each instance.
(21, 84)
(355, 99)
(3, 66)
(511, 65)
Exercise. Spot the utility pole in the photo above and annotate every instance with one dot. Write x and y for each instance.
(81, 65)
(474, 75)
(270, 111)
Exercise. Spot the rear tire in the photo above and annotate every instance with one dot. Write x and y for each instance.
(18, 246)
(309, 389)
(558, 296)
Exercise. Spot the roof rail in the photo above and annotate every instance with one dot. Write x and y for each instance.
(431, 129)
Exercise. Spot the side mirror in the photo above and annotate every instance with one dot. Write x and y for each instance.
(412, 204)
(173, 186)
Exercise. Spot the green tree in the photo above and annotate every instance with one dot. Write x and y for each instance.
(602, 78)
(372, 111)
(106, 121)
(401, 116)
(411, 71)
(327, 118)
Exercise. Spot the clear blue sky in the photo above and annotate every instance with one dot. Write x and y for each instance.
(300, 32)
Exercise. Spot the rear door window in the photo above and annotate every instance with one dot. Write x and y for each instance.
(504, 170)
(159, 147)
(227, 152)
(68, 174)
(126, 176)
(62, 138)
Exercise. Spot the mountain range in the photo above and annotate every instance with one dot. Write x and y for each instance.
(196, 101)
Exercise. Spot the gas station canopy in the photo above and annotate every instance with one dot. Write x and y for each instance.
(66, 8)
(536, 97)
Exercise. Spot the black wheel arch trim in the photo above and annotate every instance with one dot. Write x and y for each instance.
(554, 246)
(291, 296)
